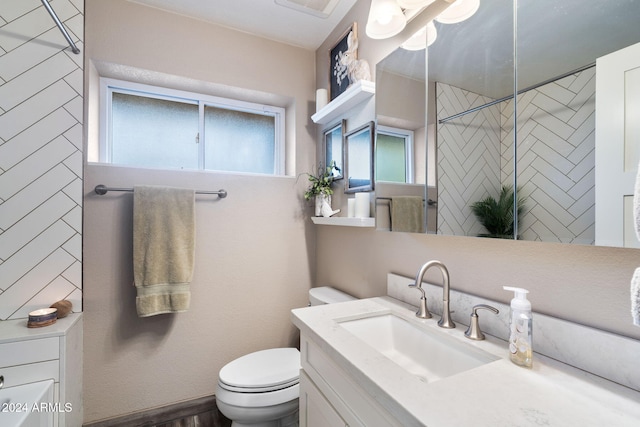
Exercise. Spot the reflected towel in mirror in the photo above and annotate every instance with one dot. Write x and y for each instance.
(407, 214)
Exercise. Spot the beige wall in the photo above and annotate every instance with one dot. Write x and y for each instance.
(584, 284)
(254, 250)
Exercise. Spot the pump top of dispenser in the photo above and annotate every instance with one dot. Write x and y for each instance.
(520, 302)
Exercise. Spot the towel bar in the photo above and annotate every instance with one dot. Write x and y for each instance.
(103, 189)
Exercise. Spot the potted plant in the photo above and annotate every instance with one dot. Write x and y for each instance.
(320, 186)
(497, 215)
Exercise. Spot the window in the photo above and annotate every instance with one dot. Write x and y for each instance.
(394, 155)
(149, 126)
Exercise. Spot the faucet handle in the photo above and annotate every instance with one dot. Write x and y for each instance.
(423, 311)
(473, 331)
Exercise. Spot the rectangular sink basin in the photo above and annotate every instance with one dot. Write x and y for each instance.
(429, 355)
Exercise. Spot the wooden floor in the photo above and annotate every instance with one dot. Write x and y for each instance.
(207, 419)
(201, 412)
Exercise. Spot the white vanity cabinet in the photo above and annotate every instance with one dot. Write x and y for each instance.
(29, 355)
(330, 396)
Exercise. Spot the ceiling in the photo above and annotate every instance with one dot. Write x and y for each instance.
(553, 37)
(271, 19)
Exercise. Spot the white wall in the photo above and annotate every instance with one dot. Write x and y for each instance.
(41, 96)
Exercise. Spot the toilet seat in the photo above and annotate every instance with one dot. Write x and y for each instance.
(262, 371)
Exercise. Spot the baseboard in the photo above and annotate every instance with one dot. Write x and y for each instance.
(167, 414)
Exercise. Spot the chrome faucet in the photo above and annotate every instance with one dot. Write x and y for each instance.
(423, 313)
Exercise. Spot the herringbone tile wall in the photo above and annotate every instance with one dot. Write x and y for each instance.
(556, 159)
(41, 108)
(556, 143)
(468, 159)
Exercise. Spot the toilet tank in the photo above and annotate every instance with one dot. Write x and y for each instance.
(327, 295)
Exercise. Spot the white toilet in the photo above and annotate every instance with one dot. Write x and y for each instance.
(261, 389)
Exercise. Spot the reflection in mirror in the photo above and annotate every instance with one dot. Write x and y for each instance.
(470, 72)
(401, 139)
(394, 155)
(333, 152)
(358, 159)
(567, 166)
(568, 198)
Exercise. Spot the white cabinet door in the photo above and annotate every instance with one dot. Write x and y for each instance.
(315, 410)
(617, 145)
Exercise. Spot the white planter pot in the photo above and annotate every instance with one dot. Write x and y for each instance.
(319, 199)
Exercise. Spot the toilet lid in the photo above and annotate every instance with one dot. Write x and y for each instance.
(263, 370)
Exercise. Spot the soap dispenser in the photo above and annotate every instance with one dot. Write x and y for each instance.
(520, 344)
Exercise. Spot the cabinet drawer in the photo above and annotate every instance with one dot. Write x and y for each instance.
(29, 351)
(24, 374)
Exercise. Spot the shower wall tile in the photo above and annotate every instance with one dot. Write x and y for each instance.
(33, 138)
(41, 108)
(556, 160)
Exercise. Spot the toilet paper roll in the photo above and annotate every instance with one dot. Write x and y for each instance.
(351, 208)
(322, 98)
(362, 209)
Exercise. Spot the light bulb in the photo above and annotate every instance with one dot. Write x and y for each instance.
(458, 11)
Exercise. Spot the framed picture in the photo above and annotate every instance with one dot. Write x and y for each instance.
(333, 151)
(358, 158)
(338, 79)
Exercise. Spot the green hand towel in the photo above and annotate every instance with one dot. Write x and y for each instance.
(407, 214)
(163, 248)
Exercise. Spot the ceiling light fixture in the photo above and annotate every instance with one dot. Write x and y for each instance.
(458, 11)
(386, 19)
(414, 4)
(422, 38)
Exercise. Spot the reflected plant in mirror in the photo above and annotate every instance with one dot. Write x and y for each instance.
(496, 215)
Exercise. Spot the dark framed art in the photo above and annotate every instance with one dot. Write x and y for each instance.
(338, 79)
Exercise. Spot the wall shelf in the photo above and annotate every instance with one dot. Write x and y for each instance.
(344, 221)
(355, 94)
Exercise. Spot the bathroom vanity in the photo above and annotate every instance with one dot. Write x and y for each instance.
(50, 355)
(371, 363)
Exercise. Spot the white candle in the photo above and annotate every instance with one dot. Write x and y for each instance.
(351, 208)
(362, 209)
(322, 98)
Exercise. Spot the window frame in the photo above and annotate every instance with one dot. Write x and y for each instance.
(110, 85)
(408, 136)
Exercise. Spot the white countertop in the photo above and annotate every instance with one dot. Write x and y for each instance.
(17, 330)
(496, 394)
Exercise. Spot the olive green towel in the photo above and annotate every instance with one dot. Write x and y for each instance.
(163, 248)
(407, 214)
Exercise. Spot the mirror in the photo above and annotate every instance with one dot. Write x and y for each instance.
(470, 70)
(333, 151)
(400, 164)
(358, 159)
(557, 154)
(471, 66)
